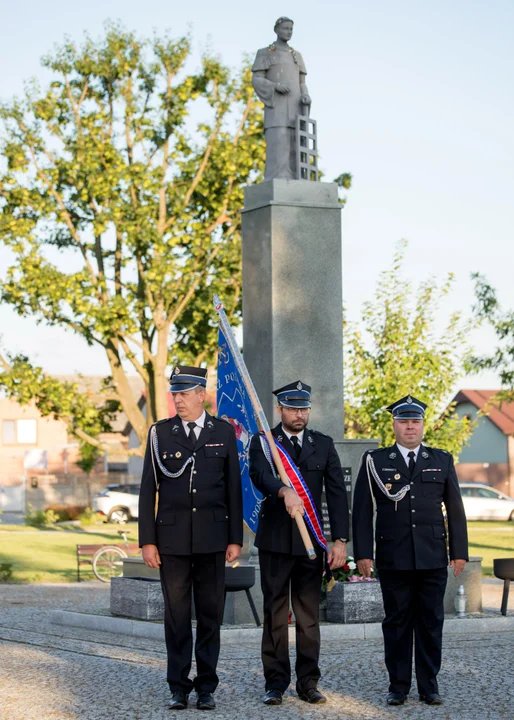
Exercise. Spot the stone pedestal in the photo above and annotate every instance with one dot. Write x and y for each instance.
(137, 597)
(355, 602)
(292, 294)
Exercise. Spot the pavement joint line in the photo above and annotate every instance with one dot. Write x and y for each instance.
(335, 631)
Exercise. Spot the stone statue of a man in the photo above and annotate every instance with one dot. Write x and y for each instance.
(279, 81)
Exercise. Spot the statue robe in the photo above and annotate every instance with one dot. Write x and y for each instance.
(273, 66)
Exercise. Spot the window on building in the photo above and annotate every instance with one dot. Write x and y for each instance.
(20, 432)
(9, 432)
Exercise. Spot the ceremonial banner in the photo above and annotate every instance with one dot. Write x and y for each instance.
(234, 405)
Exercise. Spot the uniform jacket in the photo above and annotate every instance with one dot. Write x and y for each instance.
(318, 463)
(412, 536)
(204, 516)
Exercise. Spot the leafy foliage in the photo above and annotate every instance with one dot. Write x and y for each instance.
(85, 416)
(396, 350)
(489, 310)
(122, 218)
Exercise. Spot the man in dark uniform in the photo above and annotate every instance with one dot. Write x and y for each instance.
(285, 567)
(192, 458)
(408, 482)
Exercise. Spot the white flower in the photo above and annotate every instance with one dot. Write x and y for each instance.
(352, 565)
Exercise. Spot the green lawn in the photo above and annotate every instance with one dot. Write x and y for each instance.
(490, 540)
(49, 555)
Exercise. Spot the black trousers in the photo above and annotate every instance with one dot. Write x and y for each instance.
(282, 574)
(205, 574)
(414, 608)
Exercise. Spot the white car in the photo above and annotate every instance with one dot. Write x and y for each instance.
(482, 502)
(118, 503)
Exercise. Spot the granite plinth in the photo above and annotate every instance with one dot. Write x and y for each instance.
(361, 602)
(132, 604)
(355, 602)
(137, 597)
(292, 294)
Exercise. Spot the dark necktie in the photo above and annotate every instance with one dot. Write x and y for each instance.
(192, 434)
(412, 462)
(297, 448)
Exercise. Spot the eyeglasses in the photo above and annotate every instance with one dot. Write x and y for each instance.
(299, 411)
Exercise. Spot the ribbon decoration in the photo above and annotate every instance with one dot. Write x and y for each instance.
(297, 483)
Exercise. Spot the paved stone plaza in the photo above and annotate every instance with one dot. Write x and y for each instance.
(52, 672)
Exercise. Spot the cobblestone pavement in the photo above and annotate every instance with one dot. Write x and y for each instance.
(52, 672)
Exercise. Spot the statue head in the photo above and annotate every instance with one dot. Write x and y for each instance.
(284, 28)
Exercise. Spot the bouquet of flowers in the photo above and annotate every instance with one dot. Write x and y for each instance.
(349, 573)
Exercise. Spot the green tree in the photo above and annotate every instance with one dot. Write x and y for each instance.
(396, 350)
(121, 217)
(85, 416)
(488, 310)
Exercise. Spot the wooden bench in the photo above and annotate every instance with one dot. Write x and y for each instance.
(85, 553)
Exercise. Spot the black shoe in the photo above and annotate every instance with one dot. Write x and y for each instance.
(312, 696)
(396, 698)
(178, 700)
(431, 699)
(205, 701)
(272, 697)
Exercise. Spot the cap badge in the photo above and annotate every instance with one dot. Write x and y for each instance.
(176, 371)
(392, 455)
(397, 476)
(424, 454)
(178, 454)
(299, 386)
(409, 399)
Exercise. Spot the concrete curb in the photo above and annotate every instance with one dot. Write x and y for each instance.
(358, 631)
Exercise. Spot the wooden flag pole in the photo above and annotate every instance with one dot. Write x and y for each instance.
(261, 418)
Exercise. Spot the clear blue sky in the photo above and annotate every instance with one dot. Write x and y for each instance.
(415, 99)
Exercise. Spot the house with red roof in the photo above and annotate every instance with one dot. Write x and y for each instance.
(488, 456)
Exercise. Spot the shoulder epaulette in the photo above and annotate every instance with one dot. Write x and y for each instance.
(221, 420)
(427, 447)
(318, 432)
(160, 422)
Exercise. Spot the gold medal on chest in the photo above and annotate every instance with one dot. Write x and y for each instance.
(178, 454)
(389, 486)
(397, 476)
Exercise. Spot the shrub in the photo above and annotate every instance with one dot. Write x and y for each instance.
(5, 571)
(40, 518)
(90, 517)
(67, 512)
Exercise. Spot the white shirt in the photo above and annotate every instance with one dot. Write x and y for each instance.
(199, 425)
(405, 452)
(299, 436)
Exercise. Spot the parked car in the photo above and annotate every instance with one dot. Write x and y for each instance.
(118, 503)
(482, 502)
